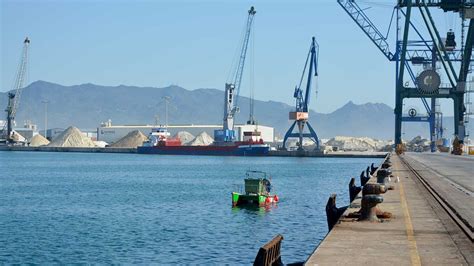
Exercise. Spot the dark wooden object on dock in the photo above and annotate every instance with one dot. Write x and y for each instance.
(269, 254)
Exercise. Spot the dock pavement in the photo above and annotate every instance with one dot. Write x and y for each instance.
(420, 231)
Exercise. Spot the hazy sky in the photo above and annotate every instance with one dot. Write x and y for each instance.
(192, 44)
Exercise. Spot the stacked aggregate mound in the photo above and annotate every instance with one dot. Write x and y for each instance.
(131, 140)
(203, 139)
(38, 140)
(184, 136)
(71, 137)
(356, 144)
(17, 137)
(418, 144)
(293, 143)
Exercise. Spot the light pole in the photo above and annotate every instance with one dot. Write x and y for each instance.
(45, 102)
(167, 101)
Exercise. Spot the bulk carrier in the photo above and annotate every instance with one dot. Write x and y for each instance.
(160, 142)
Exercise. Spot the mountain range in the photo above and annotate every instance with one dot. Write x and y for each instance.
(87, 105)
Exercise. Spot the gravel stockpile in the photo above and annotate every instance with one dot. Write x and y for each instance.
(203, 139)
(38, 140)
(356, 144)
(131, 140)
(71, 137)
(185, 137)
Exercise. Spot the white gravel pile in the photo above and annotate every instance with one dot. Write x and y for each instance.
(131, 140)
(71, 137)
(38, 140)
(203, 139)
(356, 144)
(184, 136)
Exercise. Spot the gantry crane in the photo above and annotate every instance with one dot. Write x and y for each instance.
(301, 113)
(425, 53)
(15, 95)
(232, 89)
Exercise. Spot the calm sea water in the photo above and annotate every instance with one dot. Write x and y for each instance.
(129, 208)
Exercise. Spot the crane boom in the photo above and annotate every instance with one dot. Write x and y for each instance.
(14, 97)
(230, 100)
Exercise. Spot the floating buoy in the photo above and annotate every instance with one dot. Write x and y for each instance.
(267, 200)
(275, 198)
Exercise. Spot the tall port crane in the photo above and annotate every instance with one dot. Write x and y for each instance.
(15, 95)
(425, 53)
(232, 89)
(301, 113)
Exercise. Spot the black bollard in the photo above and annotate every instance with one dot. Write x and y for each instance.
(332, 212)
(368, 210)
(363, 179)
(373, 189)
(353, 190)
(372, 169)
(382, 175)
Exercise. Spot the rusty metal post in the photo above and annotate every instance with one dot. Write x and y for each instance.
(373, 189)
(382, 175)
(368, 210)
(353, 190)
(333, 212)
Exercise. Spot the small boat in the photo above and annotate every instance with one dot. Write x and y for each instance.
(257, 190)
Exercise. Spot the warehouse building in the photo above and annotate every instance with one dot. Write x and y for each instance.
(110, 133)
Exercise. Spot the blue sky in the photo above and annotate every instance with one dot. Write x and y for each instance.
(192, 44)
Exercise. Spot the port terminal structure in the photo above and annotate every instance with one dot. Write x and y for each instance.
(426, 59)
(301, 113)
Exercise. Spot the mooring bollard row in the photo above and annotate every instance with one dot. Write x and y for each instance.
(270, 253)
(353, 190)
(333, 212)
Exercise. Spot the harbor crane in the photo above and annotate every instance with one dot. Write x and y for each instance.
(15, 95)
(232, 88)
(426, 58)
(301, 113)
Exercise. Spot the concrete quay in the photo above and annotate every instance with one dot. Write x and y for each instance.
(420, 231)
(68, 149)
(134, 150)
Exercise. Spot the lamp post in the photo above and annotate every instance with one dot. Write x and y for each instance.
(45, 102)
(167, 101)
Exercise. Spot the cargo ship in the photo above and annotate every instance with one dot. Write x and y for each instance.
(161, 142)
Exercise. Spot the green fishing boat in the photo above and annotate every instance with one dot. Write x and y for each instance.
(257, 190)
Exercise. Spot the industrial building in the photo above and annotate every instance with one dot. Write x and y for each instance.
(110, 134)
